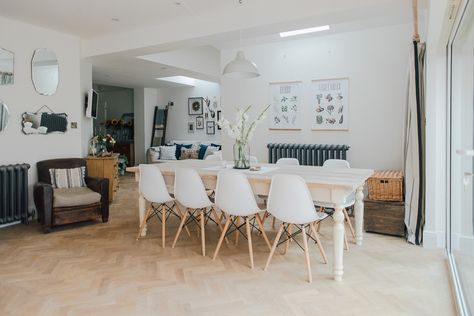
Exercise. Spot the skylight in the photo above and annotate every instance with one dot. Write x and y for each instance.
(187, 81)
(305, 31)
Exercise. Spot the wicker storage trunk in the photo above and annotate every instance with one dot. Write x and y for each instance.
(386, 186)
(385, 217)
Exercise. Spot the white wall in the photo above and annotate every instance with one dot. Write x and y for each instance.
(15, 147)
(178, 117)
(144, 102)
(376, 62)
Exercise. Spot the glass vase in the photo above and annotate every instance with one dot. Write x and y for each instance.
(241, 155)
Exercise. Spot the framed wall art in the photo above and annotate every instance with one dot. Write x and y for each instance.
(210, 127)
(284, 111)
(199, 122)
(195, 106)
(330, 104)
(190, 127)
(219, 116)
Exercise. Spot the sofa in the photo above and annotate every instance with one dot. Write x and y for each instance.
(183, 149)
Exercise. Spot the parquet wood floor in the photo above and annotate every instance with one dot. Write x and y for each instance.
(99, 269)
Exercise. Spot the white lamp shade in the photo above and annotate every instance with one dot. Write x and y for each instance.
(241, 67)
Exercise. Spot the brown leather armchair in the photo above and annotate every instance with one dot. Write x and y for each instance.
(64, 206)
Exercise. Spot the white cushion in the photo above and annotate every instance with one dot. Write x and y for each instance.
(154, 154)
(168, 152)
(210, 151)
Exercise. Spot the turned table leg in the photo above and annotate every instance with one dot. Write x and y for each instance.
(359, 215)
(141, 211)
(338, 237)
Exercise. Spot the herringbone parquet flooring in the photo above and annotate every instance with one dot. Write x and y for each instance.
(99, 269)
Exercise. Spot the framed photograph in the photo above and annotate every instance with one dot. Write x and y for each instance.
(285, 111)
(210, 127)
(218, 119)
(331, 104)
(199, 122)
(190, 127)
(195, 106)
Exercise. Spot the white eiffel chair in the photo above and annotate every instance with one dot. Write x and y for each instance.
(190, 192)
(153, 187)
(235, 197)
(290, 202)
(349, 202)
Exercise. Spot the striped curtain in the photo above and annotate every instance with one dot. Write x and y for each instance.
(414, 164)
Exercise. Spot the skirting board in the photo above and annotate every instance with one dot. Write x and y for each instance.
(434, 239)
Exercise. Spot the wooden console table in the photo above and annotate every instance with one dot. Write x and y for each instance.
(105, 167)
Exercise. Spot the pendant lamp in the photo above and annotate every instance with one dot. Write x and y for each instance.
(241, 68)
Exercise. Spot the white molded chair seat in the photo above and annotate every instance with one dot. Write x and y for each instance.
(153, 188)
(287, 162)
(235, 197)
(290, 201)
(190, 192)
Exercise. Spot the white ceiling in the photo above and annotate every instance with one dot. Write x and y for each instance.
(147, 27)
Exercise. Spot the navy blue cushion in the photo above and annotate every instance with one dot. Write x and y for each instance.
(216, 145)
(178, 149)
(202, 151)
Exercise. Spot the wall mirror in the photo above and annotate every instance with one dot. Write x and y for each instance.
(4, 116)
(44, 122)
(45, 71)
(7, 63)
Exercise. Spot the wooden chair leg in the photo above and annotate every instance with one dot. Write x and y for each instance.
(306, 253)
(273, 223)
(287, 244)
(260, 225)
(203, 236)
(163, 225)
(275, 243)
(218, 222)
(181, 215)
(249, 239)
(265, 215)
(318, 242)
(143, 223)
(346, 244)
(351, 228)
(237, 222)
(183, 220)
(224, 231)
(319, 226)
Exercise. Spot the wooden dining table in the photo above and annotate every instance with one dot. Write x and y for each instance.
(328, 185)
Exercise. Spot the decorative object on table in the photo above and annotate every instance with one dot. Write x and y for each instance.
(7, 67)
(190, 127)
(210, 127)
(285, 105)
(330, 104)
(41, 122)
(386, 185)
(199, 122)
(105, 167)
(4, 116)
(242, 132)
(195, 106)
(218, 119)
(101, 145)
(45, 71)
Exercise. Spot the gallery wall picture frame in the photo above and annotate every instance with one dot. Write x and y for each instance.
(195, 106)
(190, 127)
(219, 114)
(285, 108)
(210, 127)
(330, 104)
(199, 122)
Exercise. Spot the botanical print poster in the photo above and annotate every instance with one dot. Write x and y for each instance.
(284, 112)
(330, 104)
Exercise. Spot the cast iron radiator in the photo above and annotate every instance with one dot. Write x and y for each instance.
(307, 154)
(14, 193)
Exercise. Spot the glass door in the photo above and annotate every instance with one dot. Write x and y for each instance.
(461, 213)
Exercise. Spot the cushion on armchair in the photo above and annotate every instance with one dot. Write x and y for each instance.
(68, 178)
(74, 197)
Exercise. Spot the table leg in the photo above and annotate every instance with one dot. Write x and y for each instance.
(338, 239)
(141, 211)
(359, 215)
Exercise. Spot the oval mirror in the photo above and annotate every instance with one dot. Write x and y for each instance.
(7, 60)
(4, 116)
(45, 71)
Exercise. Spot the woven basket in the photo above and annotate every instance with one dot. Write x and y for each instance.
(386, 186)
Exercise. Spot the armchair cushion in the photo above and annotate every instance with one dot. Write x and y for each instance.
(75, 197)
(68, 178)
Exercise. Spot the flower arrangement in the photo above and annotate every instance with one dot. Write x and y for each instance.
(102, 145)
(242, 131)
